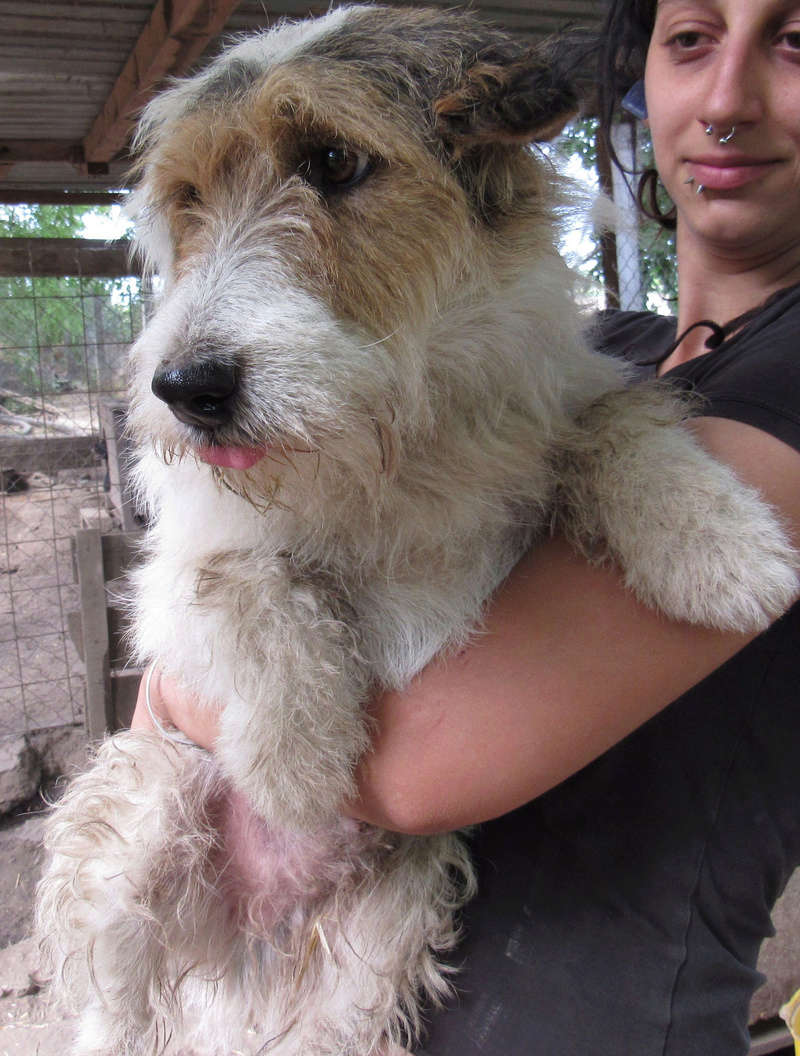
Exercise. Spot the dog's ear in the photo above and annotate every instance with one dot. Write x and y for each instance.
(507, 95)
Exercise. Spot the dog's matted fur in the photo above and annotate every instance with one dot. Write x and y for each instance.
(363, 396)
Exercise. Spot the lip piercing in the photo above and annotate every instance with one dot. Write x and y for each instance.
(690, 180)
(700, 188)
(730, 135)
(709, 130)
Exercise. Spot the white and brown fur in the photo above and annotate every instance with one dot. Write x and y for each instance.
(409, 350)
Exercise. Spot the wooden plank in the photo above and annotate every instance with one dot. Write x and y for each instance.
(89, 557)
(13, 151)
(50, 29)
(124, 691)
(42, 196)
(774, 1037)
(118, 627)
(174, 37)
(608, 238)
(112, 423)
(85, 11)
(67, 256)
(120, 550)
(47, 454)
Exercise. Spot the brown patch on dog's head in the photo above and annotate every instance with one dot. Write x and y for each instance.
(481, 93)
(443, 107)
(513, 101)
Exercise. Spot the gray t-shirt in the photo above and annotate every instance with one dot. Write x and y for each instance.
(621, 913)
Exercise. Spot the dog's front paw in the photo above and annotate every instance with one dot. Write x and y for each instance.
(742, 585)
(724, 561)
(691, 539)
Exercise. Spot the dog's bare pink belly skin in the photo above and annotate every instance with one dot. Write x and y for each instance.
(268, 873)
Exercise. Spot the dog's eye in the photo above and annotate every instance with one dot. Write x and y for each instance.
(344, 167)
(334, 168)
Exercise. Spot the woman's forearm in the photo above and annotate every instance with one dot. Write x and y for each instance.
(568, 664)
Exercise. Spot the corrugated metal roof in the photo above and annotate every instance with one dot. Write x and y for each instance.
(60, 59)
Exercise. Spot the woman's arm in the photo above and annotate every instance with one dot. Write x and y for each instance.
(568, 664)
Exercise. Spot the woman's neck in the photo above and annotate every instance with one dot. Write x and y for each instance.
(719, 286)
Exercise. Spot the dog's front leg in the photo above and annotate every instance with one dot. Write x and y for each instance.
(690, 537)
(293, 724)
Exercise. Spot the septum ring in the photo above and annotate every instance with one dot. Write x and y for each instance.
(709, 131)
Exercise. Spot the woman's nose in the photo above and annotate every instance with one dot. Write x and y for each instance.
(734, 88)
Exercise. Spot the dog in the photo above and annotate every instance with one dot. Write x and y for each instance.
(364, 395)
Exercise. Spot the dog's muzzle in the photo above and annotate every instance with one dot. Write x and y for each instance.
(200, 394)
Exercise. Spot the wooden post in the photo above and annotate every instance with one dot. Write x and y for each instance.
(91, 581)
(112, 424)
(608, 239)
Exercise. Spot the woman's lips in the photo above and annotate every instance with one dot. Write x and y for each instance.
(231, 457)
(727, 175)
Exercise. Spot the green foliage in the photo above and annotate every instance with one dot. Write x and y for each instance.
(657, 267)
(657, 261)
(62, 333)
(579, 139)
(45, 221)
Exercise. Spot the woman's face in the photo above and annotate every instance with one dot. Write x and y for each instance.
(729, 65)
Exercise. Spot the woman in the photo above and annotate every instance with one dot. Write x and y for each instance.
(640, 774)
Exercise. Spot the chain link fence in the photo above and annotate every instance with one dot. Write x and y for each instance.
(63, 348)
(631, 264)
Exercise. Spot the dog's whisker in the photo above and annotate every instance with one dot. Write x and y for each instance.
(379, 341)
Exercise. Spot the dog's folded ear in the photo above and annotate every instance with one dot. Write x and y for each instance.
(507, 95)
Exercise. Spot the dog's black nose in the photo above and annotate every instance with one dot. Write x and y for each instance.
(199, 394)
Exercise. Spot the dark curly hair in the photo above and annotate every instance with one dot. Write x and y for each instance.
(623, 51)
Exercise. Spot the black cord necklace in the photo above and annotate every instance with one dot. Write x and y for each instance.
(714, 340)
(719, 334)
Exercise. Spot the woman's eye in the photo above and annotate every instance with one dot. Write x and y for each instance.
(687, 40)
(791, 39)
(336, 168)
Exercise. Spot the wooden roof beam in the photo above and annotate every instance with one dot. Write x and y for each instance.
(175, 36)
(51, 196)
(13, 151)
(67, 256)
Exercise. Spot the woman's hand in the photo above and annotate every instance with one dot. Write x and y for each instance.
(174, 707)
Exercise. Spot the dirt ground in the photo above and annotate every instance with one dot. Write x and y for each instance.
(20, 864)
(41, 675)
(29, 1026)
(41, 685)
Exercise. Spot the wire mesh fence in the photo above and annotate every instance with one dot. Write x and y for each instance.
(630, 264)
(63, 347)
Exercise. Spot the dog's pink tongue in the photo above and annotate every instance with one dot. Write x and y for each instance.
(231, 457)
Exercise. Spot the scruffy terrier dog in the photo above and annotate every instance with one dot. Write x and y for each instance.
(363, 396)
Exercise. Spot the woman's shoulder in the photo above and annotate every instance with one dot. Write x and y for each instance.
(637, 337)
(753, 376)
